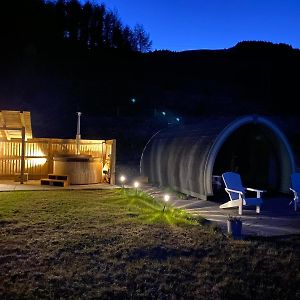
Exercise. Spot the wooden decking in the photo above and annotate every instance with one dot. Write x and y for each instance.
(35, 185)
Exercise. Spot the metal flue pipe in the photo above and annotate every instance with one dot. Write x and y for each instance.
(78, 136)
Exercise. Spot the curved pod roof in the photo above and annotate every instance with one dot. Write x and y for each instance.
(184, 158)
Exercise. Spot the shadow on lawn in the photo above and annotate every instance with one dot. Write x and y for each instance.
(282, 239)
(162, 253)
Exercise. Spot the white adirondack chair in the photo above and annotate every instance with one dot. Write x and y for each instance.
(236, 192)
(295, 188)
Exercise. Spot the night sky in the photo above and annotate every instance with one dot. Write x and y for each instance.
(212, 24)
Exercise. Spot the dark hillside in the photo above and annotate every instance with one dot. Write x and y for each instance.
(252, 77)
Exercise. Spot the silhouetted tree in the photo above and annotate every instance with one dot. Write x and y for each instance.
(97, 26)
(86, 24)
(73, 9)
(117, 35)
(47, 24)
(128, 39)
(109, 25)
(142, 39)
(60, 19)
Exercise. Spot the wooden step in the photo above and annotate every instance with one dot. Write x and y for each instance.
(59, 177)
(54, 182)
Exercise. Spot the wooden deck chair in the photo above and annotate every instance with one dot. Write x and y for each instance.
(236, 192)
(295, 188)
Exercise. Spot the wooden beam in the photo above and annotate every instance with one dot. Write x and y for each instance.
(2, 120)
(23, 156)
(7, 134)
(6, 130)
(50, 157)
(10, 128)
(22, 119)
(113, 163)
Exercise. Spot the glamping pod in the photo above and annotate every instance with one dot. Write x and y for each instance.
(189, 158)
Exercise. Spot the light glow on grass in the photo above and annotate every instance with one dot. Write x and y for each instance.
(150, 210)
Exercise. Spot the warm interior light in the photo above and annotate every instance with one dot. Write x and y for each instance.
(36, 157)
(39, 161)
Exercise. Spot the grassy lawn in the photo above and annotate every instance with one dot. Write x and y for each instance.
(115, 244)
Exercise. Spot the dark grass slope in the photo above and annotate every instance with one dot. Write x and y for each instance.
(111, 244)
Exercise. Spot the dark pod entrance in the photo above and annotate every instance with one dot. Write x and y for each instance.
(253, 151)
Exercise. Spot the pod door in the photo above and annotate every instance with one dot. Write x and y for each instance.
(253, 152)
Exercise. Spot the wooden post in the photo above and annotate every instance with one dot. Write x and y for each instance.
(50, 157)
(113, 163)
(103, 159)
(23, 156)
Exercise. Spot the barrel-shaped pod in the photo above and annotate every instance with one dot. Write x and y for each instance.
(186, 158)
(80, 169)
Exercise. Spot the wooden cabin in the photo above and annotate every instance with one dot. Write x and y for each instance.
(22, 156)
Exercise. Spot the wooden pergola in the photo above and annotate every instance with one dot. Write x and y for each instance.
(16, 125)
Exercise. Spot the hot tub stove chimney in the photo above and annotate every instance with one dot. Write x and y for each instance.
(78, 136)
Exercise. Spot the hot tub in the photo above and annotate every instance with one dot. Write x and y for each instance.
(81, 169)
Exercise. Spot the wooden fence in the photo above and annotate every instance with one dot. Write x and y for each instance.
(39, 153)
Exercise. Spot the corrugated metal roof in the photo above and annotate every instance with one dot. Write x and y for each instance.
(177, 156)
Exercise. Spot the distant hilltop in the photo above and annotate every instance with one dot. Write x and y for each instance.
(261, 45)
(244, 46)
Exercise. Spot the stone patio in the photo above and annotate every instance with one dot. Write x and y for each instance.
(276, 217)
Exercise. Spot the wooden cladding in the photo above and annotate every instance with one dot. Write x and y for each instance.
(39, 153)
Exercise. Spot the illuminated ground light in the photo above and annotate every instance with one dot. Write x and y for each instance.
(166, 199)
(122, 179)
(136, 184)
